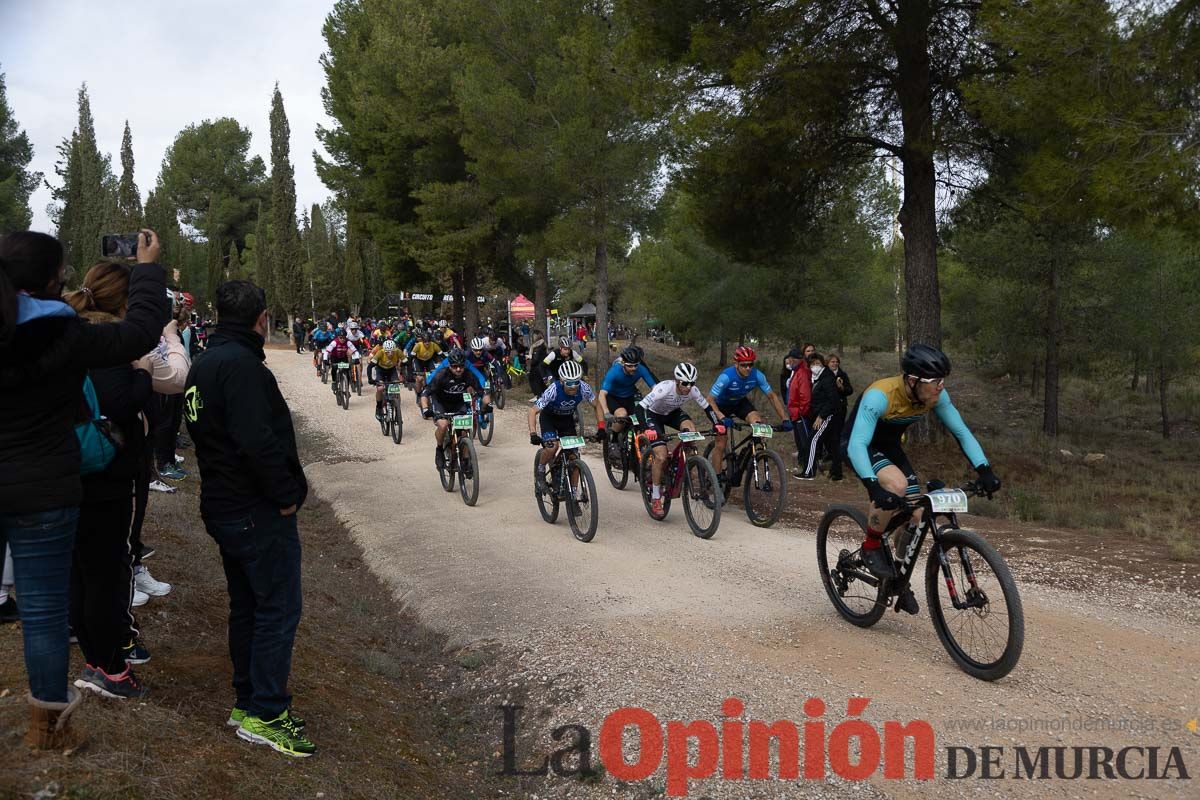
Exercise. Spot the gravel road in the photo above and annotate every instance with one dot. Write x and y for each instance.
(648, 615)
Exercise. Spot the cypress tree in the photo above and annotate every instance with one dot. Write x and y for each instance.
(129, 201)
(233, 269)
(287, 264)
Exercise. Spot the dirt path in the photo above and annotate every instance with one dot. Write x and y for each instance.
(649, 615)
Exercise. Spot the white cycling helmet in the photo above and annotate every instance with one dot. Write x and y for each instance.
(477, 343)
(570, 371)
(389, 346)
(686, 372)
(564, 341)
(353, 325)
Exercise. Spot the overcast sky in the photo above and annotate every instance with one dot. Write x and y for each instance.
(163, 65)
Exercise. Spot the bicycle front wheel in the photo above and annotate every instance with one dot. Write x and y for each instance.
(647, 480)
(582, 513)
(397, 421)
(546, 500)
(385, 421)
(487, 427)
(986, 637)
(498, 394)
(701, 497)
(854, 591)
(764, 488)
(468, 471)
(446, 473)
(616, 463)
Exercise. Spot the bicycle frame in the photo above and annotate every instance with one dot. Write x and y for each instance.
(673, 468)
(738, 456)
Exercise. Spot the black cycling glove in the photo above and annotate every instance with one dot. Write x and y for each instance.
(535, 440)
(988, 481)
(881, 497)
(427, 413)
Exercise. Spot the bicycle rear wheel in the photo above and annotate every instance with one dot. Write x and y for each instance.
(547, 502)
(582, 514)
(854, 591)
(701, 497)
(397, 420)
(468, 471)
(764, 488)
(986, 638)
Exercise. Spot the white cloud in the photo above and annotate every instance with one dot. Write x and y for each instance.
(163, 66)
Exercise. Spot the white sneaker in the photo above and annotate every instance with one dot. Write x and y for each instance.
(144, 582)
(159, 486)
(140, 598)
(178, 459)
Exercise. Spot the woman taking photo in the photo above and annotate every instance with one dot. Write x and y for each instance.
(45, 350)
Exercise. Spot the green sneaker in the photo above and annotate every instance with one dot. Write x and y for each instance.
(236, 715)
(281, 734)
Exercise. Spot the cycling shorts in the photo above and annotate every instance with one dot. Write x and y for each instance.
(890, 455)
(425, 365)
(660, 422)
(628, 403)
(560, 424)
(385, 374)
(742, 408)
(446, 405)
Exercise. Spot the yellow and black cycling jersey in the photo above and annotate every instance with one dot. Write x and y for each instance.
(424, 351)
(384, 359)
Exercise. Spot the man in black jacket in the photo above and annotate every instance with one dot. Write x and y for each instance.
(251, 485)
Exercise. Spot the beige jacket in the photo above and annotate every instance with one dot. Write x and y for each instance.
(169, 362)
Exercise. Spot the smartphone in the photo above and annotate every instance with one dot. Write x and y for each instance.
(119, 245)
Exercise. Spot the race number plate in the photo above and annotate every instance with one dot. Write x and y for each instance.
(690, 436)
(946, 501)
(466, 397)
(343, 365)
(487, 385)
(761, 430)
(394, 388)
(463, 422)
(571, 442)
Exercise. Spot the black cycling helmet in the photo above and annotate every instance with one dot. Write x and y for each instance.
(457, 357)
(923, 361)
(631, 355)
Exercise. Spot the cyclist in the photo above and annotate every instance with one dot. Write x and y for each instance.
(620, 384)
(321, 336)
(356, 337)
(552, 364)
(553, 414)
(728, 396)
(445, 394)
(873, 445)
(385, 359)
(663, 408)
(340, 350)
(423, 352)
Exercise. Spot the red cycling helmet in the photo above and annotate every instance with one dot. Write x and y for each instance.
(745, 354)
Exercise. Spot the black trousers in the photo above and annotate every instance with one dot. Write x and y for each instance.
(260, 550)
(166, 427)
(102, 584)
(831, 442)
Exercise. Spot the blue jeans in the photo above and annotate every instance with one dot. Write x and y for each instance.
(41, 545)
(260, 551)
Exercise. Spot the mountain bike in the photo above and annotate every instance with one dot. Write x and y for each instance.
(764, 492)
(568, 480)
(324, 371)
(341, 385)
(459, 459)
(498, 388)
(621, 455)
(973, 601)
(392, 422)
(484, 425)
(688, 475)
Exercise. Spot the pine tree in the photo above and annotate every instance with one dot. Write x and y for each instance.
(16, 182)
(233, 268)
(129, 201)
(286, 258)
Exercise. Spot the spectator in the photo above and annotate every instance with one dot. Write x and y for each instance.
(298, 334)
(533, 366)
(833, 437)
(824, 407)
(45, 351)
(251, 485)
(102, 564)
(797, 389)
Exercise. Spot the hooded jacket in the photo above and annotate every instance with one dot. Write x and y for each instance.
(241, 427)
(41, 387)
(799, 391)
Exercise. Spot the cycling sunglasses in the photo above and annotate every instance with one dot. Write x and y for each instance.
(686, 383)
(571, 384)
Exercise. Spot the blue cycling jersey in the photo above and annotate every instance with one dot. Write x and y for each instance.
(470, 368)
(731, 386)
(556, 400)
(620, 384)
(322, 336)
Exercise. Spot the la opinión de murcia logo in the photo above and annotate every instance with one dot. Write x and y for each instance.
(854, 749)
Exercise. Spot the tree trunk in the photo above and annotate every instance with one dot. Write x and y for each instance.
(456, 302)
(1053, 334)
(918, 221)
(724, 358)
(471, 290)
(1033, 380)
(541, 288)
(1137, 363)
(602, 355)
(1162, 399)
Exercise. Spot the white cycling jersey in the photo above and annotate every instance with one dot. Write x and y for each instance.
(663, 399)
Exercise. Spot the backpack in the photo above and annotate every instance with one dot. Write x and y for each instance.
(97, 446)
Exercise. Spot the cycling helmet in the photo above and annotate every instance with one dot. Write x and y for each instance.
(341, 332)
(631, 355)
(570, 371)
(457, 357)
(745, 354)
(686, 372)
(923, 361)
(477, 343)
(564, 341)
(389, 346)
(341, 326)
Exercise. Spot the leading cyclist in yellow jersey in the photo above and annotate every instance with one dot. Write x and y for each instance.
(385, 358)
